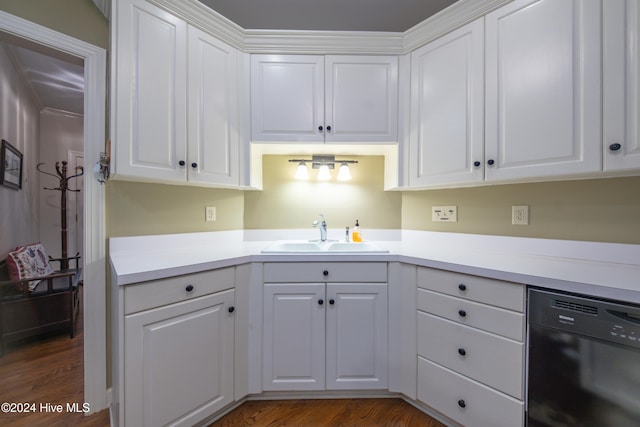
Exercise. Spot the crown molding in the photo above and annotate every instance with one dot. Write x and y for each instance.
(206, 19)
(327, 42)
(455, 16)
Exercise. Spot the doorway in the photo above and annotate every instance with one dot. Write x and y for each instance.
(94, 233)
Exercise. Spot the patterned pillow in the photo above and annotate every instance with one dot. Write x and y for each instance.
(27, 262)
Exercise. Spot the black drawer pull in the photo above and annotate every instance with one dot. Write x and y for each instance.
(194, 165)
(332, 301)
(462, 404)
(462, 352)
(615, 147)
(328, 128)
(462, 287)
(462, 313)
(181, 162)
(476, 164)
(490, 162)
(189, 288)
(320, 128)
(231, 309)
(320, 302)
(325, 273)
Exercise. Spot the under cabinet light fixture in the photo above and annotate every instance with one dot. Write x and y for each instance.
(324, 164)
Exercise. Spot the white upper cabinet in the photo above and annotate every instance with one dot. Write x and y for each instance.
(287, 98)
(213, 110)
(332, 99)
(361, 99)
(543, 105)
(149, 104)
(447, 109)
(175, 108)
(621, 68)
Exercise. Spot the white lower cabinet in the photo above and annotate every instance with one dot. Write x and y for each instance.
(325, 335)
(471, 348)
(178, 361)
(468, 402)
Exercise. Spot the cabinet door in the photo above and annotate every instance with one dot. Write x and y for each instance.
(213, 110)
(293, 337)
(543, 107)
(357, 336)
(361, 99)
(621, 68)
(179, 361)
(150, 92)
(287, 98)
(447, 109)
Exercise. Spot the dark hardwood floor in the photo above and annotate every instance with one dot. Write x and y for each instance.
(49, 370)
(46, 370)
(327, 413)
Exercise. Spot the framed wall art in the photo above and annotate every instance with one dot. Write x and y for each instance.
(10, 166)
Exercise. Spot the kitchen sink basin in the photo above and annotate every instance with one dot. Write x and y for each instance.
(306, 246)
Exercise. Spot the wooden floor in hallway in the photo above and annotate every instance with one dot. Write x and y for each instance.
(46, 370)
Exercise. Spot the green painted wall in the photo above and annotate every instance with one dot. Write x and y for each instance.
(135, 209)
(80, 19)
(286, 202)
(603, 210)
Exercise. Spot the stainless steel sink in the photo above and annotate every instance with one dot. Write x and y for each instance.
(306, 246)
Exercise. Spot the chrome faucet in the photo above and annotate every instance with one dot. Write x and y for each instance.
(323, 228)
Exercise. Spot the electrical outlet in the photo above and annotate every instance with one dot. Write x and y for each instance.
(444, 213)
(520, 215)
(210, 213)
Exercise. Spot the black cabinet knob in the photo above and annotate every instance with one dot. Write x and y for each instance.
(490, 162)
(194, 165)
(462, 404)
(328, 128)
(476, 163)
(320, 128)
(320, 302)
(189, 288)
(325, 273)
(231, 309)
(615, 147)
(181, 162)
(462, 287)
(462, 352)
(332, 301)
(462, 313)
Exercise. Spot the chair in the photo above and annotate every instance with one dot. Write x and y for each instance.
(51, 305)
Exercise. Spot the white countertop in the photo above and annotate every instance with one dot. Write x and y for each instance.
(605, 270)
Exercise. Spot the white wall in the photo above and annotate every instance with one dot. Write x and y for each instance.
(59, 133)
(19, 124)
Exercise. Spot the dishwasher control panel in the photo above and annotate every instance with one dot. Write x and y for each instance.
(610, 321)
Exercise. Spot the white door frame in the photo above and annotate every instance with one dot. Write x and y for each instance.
(94, 259)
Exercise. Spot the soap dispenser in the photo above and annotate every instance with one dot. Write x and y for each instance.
(355, 235)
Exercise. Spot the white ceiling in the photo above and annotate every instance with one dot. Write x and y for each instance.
(331, 15)
(55, 79)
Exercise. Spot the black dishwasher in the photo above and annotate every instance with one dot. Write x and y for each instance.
(583, 361)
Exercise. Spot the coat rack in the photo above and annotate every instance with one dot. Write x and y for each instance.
(63, 187)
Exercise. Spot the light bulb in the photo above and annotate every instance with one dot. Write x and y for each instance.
(323, 173)
(302, 172)
(344, 174)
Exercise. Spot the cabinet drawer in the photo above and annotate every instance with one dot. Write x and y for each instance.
(144, 296)
(474, 288)
(464, 400)
(296, 272)
(492, 360)
(499, 321)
